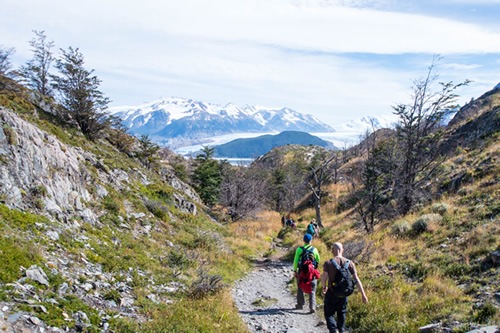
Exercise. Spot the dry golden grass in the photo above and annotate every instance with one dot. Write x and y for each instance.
(440, 286)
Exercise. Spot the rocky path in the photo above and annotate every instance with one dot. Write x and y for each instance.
(267, 304)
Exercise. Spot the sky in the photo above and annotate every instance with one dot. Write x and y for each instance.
(338, 60)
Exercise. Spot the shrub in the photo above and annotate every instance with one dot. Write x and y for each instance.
(14, 254)
(426, 223)
(401, 228)
(485, 312)
(38, 191)
(110, 204)
(10, 134)
(419, 226)
(206, 285)
(157, 209)
(178, 261)
(440, 208)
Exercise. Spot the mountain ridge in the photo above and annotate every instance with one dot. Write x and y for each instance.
(176, 121)
(255, 147)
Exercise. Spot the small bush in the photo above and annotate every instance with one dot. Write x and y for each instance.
(419, 226)
(485, 312)
(14, 254)
(401, 228)
(206, 285)
(157, 209)
(10, 134)
(112, 295)
(178, 261)
(440, 208)
(38, 191)
(110, 204)
(426, 223)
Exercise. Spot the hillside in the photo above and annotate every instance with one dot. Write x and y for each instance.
(439, 265)
(94, 240)
(255, 147)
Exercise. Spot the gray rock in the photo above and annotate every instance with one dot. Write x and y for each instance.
(35, 273)
(495, 257)
(486, 329)
(54, 235)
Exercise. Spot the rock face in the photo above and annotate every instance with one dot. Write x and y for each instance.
(42, 175)
(39, 171)
(37, 168)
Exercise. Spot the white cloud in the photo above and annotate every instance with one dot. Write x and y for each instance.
(295, 53)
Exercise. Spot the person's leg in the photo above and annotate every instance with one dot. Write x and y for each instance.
(312, 296)
(341, 314)
(300, 298)
(329, 311)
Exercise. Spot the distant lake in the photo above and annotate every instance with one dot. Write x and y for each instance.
(341, 139)
(236, 160)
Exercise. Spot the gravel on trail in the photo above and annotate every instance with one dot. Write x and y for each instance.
(266, 303)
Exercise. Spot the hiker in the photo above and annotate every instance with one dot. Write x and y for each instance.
(283, 220)
(312, 229)
(316, 227)
(337, 287)
(305, 263)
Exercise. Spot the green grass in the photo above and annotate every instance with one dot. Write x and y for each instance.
(14, 254)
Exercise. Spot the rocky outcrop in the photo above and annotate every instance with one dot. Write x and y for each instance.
(39, 172)
(42, 175)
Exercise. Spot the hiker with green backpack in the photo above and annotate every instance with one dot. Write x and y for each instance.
(305, 264)
(341, 275)
(313, 229)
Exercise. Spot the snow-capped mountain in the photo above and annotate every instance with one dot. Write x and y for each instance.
(176, 121)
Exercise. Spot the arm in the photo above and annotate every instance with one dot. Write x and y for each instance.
(324, 282)
(296, 260)
(316, 255)
(360, 285)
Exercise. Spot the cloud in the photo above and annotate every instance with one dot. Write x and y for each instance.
(335, 59)
(312, 26)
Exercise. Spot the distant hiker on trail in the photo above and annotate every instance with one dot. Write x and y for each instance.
(313, 229)
(341, 276)
(283, 220)
(305, 264)
(290, 222)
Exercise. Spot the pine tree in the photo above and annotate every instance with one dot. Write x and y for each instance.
(207, 177)
(147, 151)
(82, 101)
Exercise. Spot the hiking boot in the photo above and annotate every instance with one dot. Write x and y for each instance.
(312, 311)
(299, 307)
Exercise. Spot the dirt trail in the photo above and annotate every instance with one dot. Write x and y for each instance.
(266, 303)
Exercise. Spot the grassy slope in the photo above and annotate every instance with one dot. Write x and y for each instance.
(442, 274)
(203, 249)
(412, 279)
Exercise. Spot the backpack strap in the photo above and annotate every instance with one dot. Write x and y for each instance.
(337, 266)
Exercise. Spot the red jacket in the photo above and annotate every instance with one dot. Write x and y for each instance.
(305, 278)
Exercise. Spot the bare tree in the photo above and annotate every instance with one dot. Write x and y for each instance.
(36, 71)
(377, 178)
(6, 73)
(418, 132)
(242, 190)
(5, 65)
(317, 178)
